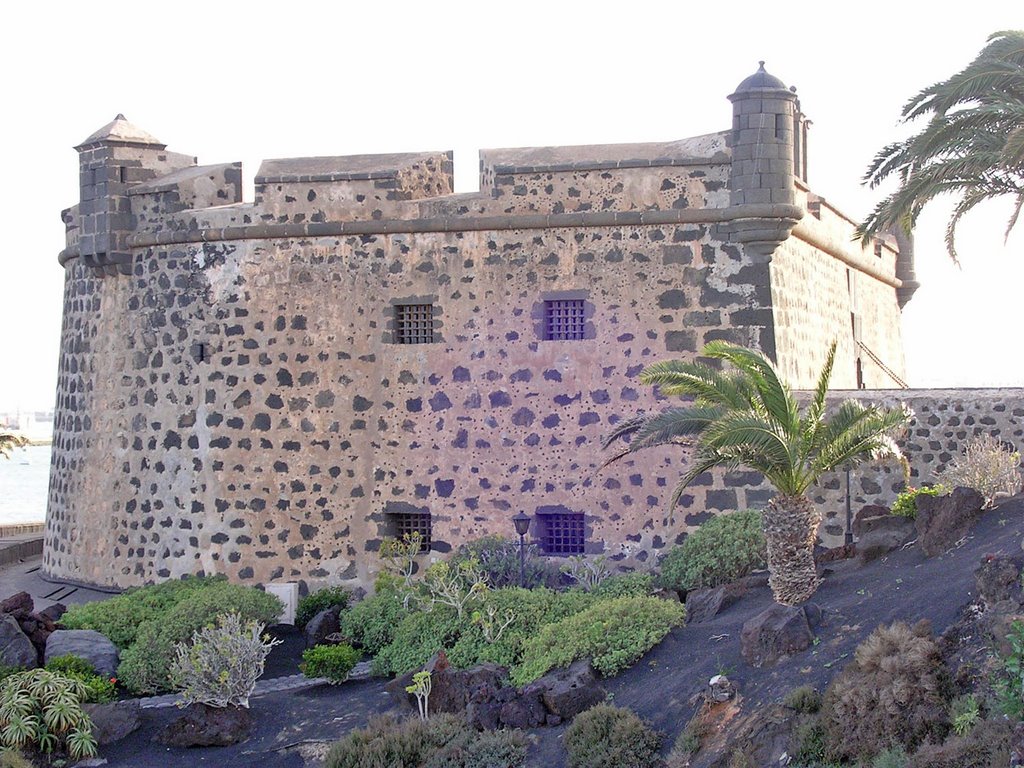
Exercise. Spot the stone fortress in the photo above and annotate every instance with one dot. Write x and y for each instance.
(268, 389)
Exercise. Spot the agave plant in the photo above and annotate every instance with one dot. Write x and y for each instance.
(747, 416)
(42, 709)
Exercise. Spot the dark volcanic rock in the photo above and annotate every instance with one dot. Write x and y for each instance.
(16, 650)
(323, 624)
(774, 634)
(567, 692)
(205, 726)
(54, 612)
(705, 604)
(881, 535)
(112, 722)
(943, 520)
(19, 605)
(869, 510)
(452, 690)
(87, 644)
(525, 711)
(998, 579)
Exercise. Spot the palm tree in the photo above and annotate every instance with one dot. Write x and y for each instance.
(746, 416)
(972, 145)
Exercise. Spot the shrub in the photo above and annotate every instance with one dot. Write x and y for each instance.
(625, 585)
(418, 637)
(458, 585)
(499, 559)
(445, 741)
(964, 714)
(371, 623)
(808, 746)
(98, 689)
(804, 699)
(531, 609)
(1010, 686)
(588, 573)
(723, 549)
(321, 600)
(610, 737)
(42, 710)
(906, 503)
(331, 661)
(895, 693)
(988, 744)
(891, 758)
(614, 633)
(10, 758)
(121, 618)
(221, 666)
(145, 666)
(987, 466)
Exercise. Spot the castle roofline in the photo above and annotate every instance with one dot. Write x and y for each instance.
(710, 147)
(120, 131)
(759, 81)
(341, 168)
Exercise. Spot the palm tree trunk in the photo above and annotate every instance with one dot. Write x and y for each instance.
(790, 530)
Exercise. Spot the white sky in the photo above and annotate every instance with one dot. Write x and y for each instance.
(246, 81)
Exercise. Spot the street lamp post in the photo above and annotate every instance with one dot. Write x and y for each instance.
(522, 523)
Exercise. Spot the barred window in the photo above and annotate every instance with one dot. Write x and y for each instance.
(406, 523)
(414, 323)
(562, 533)
(563, 319)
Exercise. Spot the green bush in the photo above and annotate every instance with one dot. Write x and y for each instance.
(120, 618)
(42, 710)
(498, 557)
(331, 661)
(609, 737)
(804, 699)
(723, 549)
(613, 633)
(145, 666)
(906, 503)
(988, 744)
(321, 600)
(371, 623)
(1010, 685)
(417, 637)
(445, 741)
(624, 585)
(98, 689)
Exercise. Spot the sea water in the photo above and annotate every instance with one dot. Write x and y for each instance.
(24, 483)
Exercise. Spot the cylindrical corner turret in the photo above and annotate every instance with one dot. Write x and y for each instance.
(763, 141)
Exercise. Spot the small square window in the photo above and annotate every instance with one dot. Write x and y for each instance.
(563, 320)
(406, 523)
(414, 323)
(562, 533)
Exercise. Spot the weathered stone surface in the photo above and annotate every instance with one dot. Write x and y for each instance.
(321, 626)
(774, 634)
(19, 606)
(16, 650)
(999, 579)
(87, 644)
(882, 534)
(113, 721)
(204, 726)
(868, 510)
(943, 520)
(525, 711)
(54, 612)
(567, 692)
(705, 604)
(452, 690)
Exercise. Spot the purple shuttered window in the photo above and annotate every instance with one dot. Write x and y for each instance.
(414, 323)
(562, 533)
(563, 320)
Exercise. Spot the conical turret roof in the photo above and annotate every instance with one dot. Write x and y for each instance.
(120, 131)
(760, 79)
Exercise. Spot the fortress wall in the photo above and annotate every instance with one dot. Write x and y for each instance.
(274, 450)
(696, 185)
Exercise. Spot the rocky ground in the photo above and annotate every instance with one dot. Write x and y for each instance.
(666, 686)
